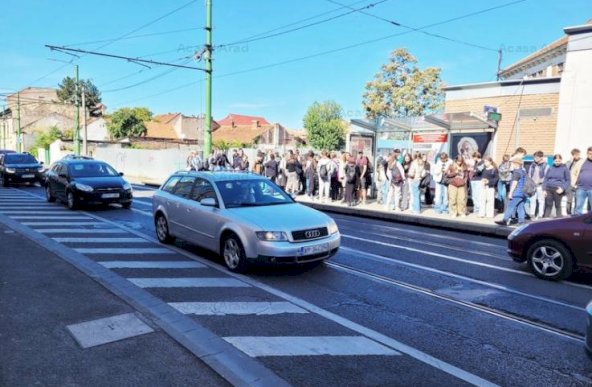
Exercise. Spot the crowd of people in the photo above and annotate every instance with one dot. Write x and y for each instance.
(406, 182)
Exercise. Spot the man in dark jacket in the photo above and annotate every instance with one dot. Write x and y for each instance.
(476, 175)
(556, 184)
(271, 168)
(537, 171)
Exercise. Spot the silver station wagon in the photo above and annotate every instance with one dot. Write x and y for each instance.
(245, 218)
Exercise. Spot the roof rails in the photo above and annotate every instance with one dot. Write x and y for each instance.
(72, 156)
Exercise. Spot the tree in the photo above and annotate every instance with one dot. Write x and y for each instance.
(129, 122)
(402, 89)
(324, 125)
(45, 139)
(67, 93)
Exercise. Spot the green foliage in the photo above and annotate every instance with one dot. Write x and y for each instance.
(325, 127)
(402, 89)
(68, 134)
(224, 145)
(129, 122)
(45, 139)
(67, 93)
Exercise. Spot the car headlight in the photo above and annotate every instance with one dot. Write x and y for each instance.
(10, 170)
(127, 186)
(272, 236)
(518, 231)
(84, 187)
(332, 228)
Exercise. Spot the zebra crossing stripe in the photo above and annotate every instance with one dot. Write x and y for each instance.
(79, 231)
(188, 283)
(100, 240)
(123, 251)
(258, 346)
(236, 308)
(62, 223)
(51, 217)
(152, 265)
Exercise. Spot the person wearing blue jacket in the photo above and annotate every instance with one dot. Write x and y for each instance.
(516, 195)
(557, 182)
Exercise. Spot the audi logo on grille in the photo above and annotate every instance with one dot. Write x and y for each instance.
(312, 234)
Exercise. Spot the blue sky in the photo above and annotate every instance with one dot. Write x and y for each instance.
(281, 93)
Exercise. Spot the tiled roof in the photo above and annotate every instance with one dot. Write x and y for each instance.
(244, 134)
(242, 120)
(160, 130)
(165, 118)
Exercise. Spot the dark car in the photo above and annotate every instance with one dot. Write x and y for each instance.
(20, 168)
(80, 182)
(554, 248)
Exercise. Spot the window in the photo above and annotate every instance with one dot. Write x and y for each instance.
(19, 158)
(92, 170)
(184, 186)
(252, 192)
(170, 184)
(202, 190)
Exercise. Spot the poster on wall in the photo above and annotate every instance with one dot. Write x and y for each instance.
(430, 144)
(466, 144)
(360, 143)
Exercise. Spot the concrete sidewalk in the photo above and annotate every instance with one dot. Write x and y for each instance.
(471, 223)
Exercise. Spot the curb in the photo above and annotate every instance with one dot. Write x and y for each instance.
(468, 227)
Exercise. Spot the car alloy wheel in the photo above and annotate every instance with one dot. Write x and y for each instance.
(48, 194)
(549, 259)
(162, 230)
(234, 254)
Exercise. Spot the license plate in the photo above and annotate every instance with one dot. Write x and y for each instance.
(110, 196)
(311, 250)
(28, 176)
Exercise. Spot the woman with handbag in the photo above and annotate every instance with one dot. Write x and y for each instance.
(457, 175)
(415, 175)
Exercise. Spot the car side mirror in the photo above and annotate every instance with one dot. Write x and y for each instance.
(41, 163)
(120, 173)
(208, 202)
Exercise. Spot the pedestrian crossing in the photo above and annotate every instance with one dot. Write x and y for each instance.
(258, 324)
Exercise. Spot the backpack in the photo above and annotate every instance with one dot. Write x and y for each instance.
(350, 174)
(529, 187)
(396, 177)
(323, 173)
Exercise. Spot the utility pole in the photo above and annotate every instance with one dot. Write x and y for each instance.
(208, 58)
(84, 139)
(77, 130)
(19, 140)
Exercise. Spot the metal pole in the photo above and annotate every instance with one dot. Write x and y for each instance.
(19, 140)
(4, 127)
(84, 138)
(208, 58)
(77, 129)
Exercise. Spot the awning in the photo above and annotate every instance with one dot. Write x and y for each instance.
(462, 122)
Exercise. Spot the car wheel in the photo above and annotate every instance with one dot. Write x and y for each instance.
(162, 230)
(234, 254)
(71, 200)
(126, 206)
(50, 198)
(550, 260)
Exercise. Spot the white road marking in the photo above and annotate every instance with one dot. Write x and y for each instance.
(107, 330)
(62, 223)
(463, 278)
(188, 283)
(79, 231)
(420, 233)
(374, 335)
(43, 217)
(257, 346)
(494, 267)
(48, 211)
(100, 240)
(236, 308)
(123, 251)
(152, 264)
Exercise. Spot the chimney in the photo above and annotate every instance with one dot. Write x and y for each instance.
(255, 124)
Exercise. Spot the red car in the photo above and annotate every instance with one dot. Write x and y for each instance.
(554, 248)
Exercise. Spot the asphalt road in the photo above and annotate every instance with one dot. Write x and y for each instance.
(398, 305)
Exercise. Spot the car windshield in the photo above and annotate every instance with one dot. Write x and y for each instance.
(251, 193)
(12, 158)
(92, 170)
